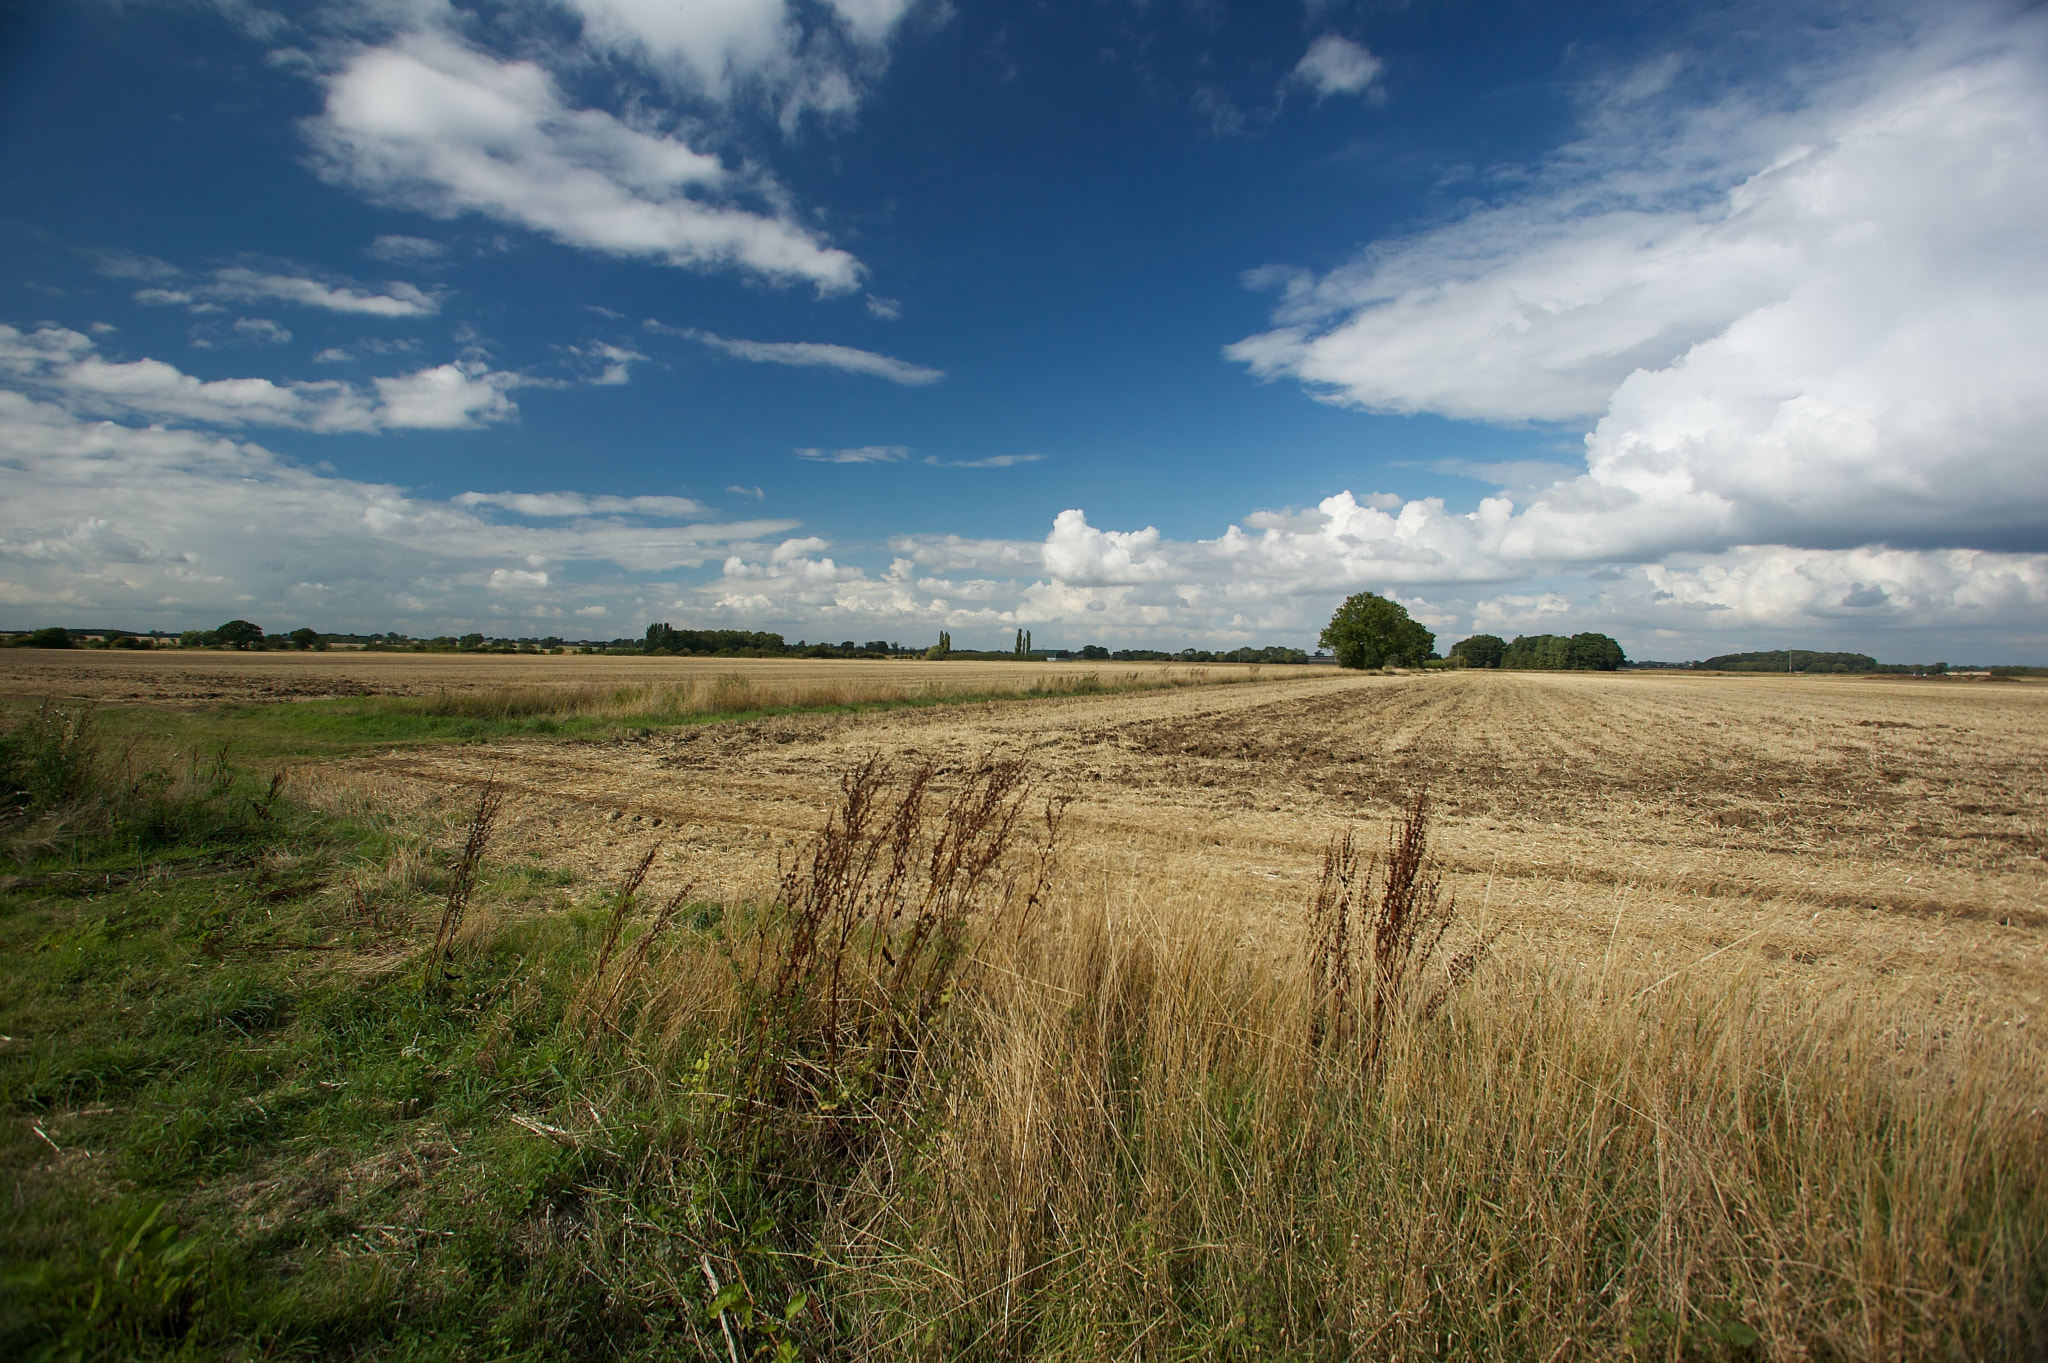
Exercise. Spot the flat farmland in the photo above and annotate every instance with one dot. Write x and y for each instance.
(1883, 834)
(1733, 1049)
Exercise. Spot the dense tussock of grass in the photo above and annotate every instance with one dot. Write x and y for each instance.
(66, 789)
(939, 1099)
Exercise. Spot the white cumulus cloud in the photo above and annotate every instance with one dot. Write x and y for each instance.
(429, 123)
(802, 58)
(169, 526)
(1820, 328)
(446, 397)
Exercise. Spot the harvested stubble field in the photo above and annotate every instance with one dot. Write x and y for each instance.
(176, 677)
(1890, 833)
(1751, 1065)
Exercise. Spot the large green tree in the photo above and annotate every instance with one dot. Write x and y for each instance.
(240, 634)
(1369, 630)
(1594, 653)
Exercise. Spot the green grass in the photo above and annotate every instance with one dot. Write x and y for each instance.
(241, 1120)
(331, 1153)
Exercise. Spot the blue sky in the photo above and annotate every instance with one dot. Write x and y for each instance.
(1151, 324)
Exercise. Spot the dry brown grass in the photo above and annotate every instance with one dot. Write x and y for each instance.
(1124, 1135)
(1145, 1157)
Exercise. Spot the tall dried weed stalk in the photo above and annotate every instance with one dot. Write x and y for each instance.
(612, 977)
(875, 922)
(462, 879)
(1374, 926)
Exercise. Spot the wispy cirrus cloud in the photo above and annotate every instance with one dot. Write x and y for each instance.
(398, 299)
(239, 284)
(897, 454)
(808, 355)
(994, 461)
(614, 363)
(262, 331)
(552, 505)
(859, 454)
(400, 248)
(799, 58)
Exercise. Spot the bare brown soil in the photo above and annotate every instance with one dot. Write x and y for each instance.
(1886, 836)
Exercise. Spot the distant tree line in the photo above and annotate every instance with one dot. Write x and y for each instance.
(1586, 652)
(684, 643)
(1790, 660)
(1806, 660)
(50, 637)
(235, 634)
(728, 643)
(1272, 653)
(467, 643)
(242, 635)
(1367, 630)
